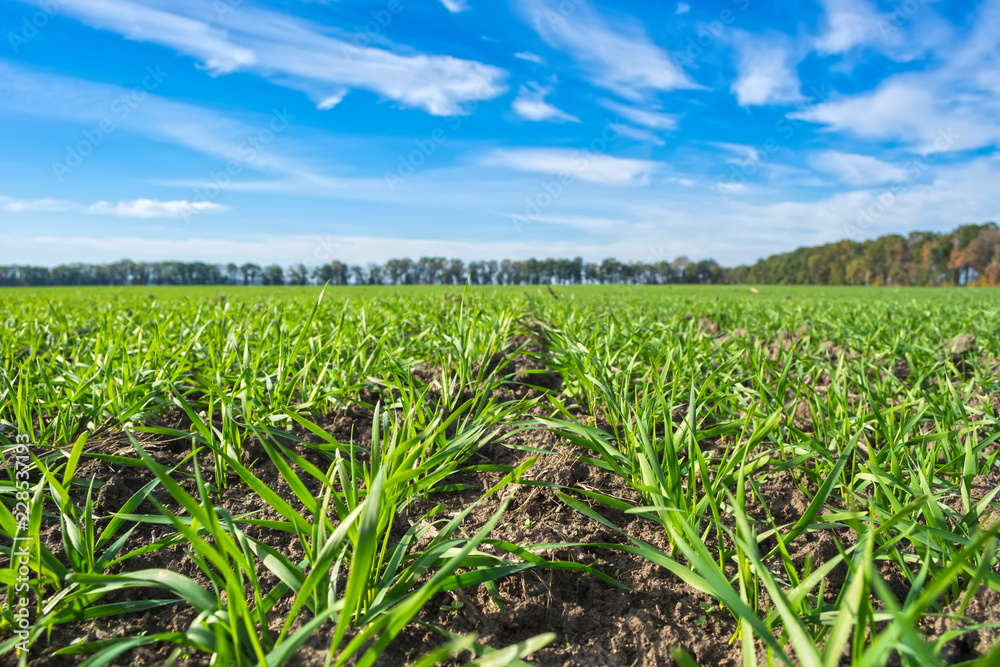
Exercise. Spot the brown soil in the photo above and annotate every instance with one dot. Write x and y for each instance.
(710, 327)
(983, 608)
(115, 484)
(595, 622)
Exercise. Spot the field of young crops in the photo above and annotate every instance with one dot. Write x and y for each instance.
(500, 476)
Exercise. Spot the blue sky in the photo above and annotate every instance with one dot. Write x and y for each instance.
(304, 131)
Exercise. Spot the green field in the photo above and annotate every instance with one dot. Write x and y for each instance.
(589, 475)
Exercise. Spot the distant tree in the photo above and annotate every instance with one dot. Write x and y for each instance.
(665, 273)
(358, 275)
(323, 274)
(474, 271)
(547, 271)
(375, 273)
(430, 270)
(140, 274)
(399, 272)
(706, 272)
(340, 272)
(250, 272)
(519, 274)
(530, 271)
(490, 270)
(505, 273)
(298, 274)
(455, 274)
(273, 275)
(610, 271)
(574, 271)
(67, 274)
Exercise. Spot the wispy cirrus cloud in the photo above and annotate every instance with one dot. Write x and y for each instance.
(847, 25)
(619, 57)
(766, 74)
(857, 170)
(455, 6)
(592, 168)
(135, 208)
(740, 154)
(37, 93)
(925, 113)
(905, 33)
(651, 118)
(293, 52)
(530, 104)
(530, 57)
(155, 208)
(45, 205)
(636, 134)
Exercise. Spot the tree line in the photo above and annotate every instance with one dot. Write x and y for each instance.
(424, 271)
(968, 255)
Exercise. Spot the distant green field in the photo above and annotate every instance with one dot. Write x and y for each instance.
(610, 293)
(424, 475)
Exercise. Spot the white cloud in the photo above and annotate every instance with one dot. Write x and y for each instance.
(636, 133)
(141, 23)
(655, 120)
(857, 170)
(455, 6)
(766, 71)
(741, 153)
(926, 113)
(333, 100)
(588, 224)
(154, 208)
(906, 33)
(897, 109)
(136, 208)
(951, 105)
(683, 8)
(531, 105)
(974, 56)
(848, 24)
(730, 188)
(293, 52)
(48, 205)
(530, 57)
(602, 169)
(202, 130)
(618, 57)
